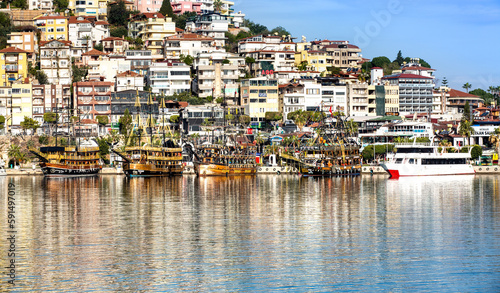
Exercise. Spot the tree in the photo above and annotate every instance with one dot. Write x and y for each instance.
(118, 14)
(352, 127)
(255, 28)
(125, 123)
(299, 117)
(166, 9)
(174, 119)
(245, 120)
(20, 4)
(399, 58)
(102, 120)
(180, 21)
(381, 61)
(5, 29)
(249, 60)
(334, 70)
(99, 47)
(2, 122)
(495, 139)
(302, 66)
(103, 144)
(61, 5)
(467, 86)
(218, 5)
(465, 129)
(467, 114)
(444, 82)
(118, 32)
(188, 60)
(16, 154)
(30, 124)
(41, 77)
(280, 31)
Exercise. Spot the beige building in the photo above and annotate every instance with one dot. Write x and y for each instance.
(25, 41)
(55, 61)
(258, 96)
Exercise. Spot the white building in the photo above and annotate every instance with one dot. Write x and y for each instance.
(187, 44)
(211, 25)
(55, 61)
(129, 80)
(40, 4)
(169, 77)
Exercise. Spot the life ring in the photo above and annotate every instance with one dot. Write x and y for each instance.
(260, 169)
(487, 169)
(480, 169)
(279, 172)
(187, 170)
(496, 169)
(274, 169)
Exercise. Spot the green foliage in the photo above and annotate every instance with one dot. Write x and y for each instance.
(399, 58)
(118, 32)
(244, 119)
(43, 139)
(302, 66)
(2, 119)
(5, 29)
(255, 28)
(125, 123)
(50, 117)
(103, 146)
(280, 31)
(99, 47)
(217, 5)
(249, 60)
(334, 70)
(226, 61)
(219, 100)
(79, 73)
(102, 119)
(16, 154)
(487, 97)
(273, 116)
(475, 153)
(118, 14)
(380, 149)
(180, 20)
(444, 81)
(166, 9)
(186, 59)
(19, 4)
(381, 61)
(467, 114)
(41, 77)
(467, 86)
(421, 61)
(30, 123)
(61, 4)
(174, 119)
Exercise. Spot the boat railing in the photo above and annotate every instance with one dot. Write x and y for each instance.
(413, 144)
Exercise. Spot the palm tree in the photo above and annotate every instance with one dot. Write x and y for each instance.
(352, 127)
(218, 5)
(195, 137)
(495, 139)
(14, 152)
(465, 129)
(467, 86)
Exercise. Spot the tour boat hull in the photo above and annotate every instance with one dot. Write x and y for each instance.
(203, 169)
(57, 170)
(149, 170)
(399, 170)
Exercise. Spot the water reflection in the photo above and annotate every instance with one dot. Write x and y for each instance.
(257, 233)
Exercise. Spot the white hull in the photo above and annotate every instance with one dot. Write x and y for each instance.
(396, 170)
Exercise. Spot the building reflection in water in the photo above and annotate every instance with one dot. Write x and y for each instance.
(248, 233)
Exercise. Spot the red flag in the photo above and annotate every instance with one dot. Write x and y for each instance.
(331, 113)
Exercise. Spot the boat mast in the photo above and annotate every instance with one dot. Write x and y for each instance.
(162, 106)
(138, 111)
(150, 118)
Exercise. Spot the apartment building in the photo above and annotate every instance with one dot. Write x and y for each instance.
(55, 98)
(84, 7)
(13, 65)
(152, 28)
(92, 98)
(212, 25)
(122, 100)
(218, 74)
(21, 106)
(314, 60)
(52, 27)
(169, 77)
(129, 80)
(102, 66)
(416, 85)
(85, 32)
(40, 4)
(267, 62)
(266, 43)
(26, 41)
(181, 7)
(55, 61)
(258, 96)
(147, 6)
(358, 99)
(114, 45)
(187, 44)
(140, 60)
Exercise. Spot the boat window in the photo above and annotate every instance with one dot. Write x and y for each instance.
(411, 161)
(399, 161)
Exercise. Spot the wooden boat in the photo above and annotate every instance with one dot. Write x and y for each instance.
(68, 160)
(332, 160)
(218, 160)
(151, 161)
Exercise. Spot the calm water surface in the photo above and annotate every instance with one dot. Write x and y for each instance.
(264, 233)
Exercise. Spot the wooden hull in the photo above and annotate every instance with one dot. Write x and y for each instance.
(62, 170)
(330, 171)
(205, 169)
(149, 170)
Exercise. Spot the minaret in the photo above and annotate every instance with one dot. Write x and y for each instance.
(138, 116)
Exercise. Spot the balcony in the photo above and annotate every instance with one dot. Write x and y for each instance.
(11, 68)
(11, 59)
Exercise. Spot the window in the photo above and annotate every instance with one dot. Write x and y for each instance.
(16, 91)
(179, 72)
(101, 108)
(102, 89)
(26, 91)
(101, 98)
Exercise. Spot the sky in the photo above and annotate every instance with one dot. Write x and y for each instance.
(460, 39)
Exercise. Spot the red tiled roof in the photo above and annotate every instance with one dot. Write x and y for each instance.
(102, 22)
(189, 37)
(406, 75)
(93, 52)
(67, 43)
(12, 50)
(113, 39)
(51, 17)
(178, 29)
(90, 83)
(377, 68)
(152, 15)
(74, 19)
(417, 68)
(128, 73)
(459, 94)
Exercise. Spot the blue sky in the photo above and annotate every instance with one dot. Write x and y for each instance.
(460, 39)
